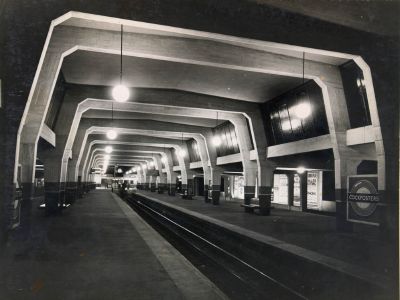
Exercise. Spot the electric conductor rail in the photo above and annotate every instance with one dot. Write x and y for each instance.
(255, 280)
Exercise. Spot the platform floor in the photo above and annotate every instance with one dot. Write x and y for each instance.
(309, 233)
(98, 249)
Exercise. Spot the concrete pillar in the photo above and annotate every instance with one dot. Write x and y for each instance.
(172, 184)
(290, 188)
(146, 179)
(215, 185)
(249, 184)
(346, 159)
(212, 182)
(303, 191)
(162, 178)
(265, 185)
(343, 168)
(204, 155)
(250, 168)
(184, 164)
(54, 188)
(72, 186)
(27, 170)
(152, 183)
(265, 168)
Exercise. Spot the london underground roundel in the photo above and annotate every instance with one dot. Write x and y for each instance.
(363, 198)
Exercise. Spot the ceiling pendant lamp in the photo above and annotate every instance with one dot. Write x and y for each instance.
(304, 109)
(108, 149)
(182, 152)
(112, 133)
(151, 163)
(164, 157)
(120, 92)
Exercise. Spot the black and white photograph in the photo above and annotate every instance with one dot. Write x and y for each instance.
(199, 149)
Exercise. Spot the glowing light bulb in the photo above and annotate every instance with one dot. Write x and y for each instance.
(108, 149)
(295, 123)
(151, 164)
(138, 169)
(182, 153)
(120, 93)
(303, 110)
(216, 141)
(119, 170)
(163, 160)
(286, 125)
(111, 134)
(301, 170)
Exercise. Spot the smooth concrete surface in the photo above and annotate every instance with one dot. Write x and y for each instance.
(98, 249)
(308, 235)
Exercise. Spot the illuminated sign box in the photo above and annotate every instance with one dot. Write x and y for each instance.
(363, 199)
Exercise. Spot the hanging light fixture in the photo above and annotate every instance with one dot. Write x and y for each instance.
(304, 109)
(216, 140)
(112, 133)
(301, 170)
(108, 149)
(151, 163)
(120, 92)
(182, 152)
(164, 158)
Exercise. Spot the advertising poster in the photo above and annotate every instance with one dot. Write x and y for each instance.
(314, 190)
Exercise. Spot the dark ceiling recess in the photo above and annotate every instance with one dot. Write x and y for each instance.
(314, 160)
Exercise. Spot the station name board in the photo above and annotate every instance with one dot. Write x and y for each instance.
(363, 199)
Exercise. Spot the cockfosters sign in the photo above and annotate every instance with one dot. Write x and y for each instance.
(362, 199)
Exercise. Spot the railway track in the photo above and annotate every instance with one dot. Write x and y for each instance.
(237, 278)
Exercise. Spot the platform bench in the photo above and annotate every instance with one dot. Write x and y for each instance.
(250, 207)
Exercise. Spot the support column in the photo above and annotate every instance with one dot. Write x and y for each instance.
(265, 168)
(162, 177)
(54, 184)
(216, 185)
(290, 188)
(265, 185)
(152, 183)
(27, 175)
(205, 150)
(250, 168)
(72, 186)
(172, 184)
(186, 173)
(303, 191)
(343, 168)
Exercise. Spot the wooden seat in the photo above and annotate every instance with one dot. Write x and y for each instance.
(250, 207)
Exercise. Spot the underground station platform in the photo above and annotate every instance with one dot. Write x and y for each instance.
(99, 249)
(191, 149)
(147, 245)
